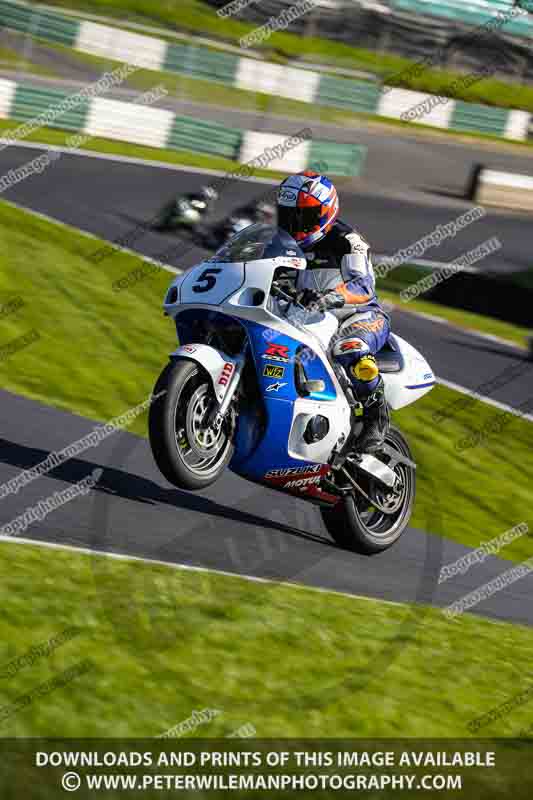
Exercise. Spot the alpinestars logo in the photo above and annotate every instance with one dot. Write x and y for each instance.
(277, 352)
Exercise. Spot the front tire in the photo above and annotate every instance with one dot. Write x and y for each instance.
(357, 526)
(189, 454)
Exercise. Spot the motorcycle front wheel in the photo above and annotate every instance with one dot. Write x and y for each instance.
(355, 524)
(188, 452)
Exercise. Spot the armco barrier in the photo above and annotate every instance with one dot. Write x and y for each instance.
(478, 118)
(30, 101)
(159, 127)
(199, 62)
(204, 137)
(251, 74)
(358, 96)
(39, 22)
(342, 159)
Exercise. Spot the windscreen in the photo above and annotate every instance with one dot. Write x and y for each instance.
(258, 242)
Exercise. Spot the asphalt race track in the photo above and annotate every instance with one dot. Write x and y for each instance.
(261, 533)
(109, 198)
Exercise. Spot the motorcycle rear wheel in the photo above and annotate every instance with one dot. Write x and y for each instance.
(356, 525)
(188, 453)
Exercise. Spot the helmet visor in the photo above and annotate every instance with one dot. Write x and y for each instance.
(298, 220)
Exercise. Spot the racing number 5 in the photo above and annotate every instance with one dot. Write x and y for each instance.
(207, 277)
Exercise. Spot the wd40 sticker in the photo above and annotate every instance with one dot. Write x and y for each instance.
(277, 352)
(273, 371)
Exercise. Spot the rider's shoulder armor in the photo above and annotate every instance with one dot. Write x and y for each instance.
(328, 253)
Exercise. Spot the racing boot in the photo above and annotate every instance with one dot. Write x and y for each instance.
(375, 416)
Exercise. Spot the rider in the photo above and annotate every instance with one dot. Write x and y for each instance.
(338, 262)
(200, 202)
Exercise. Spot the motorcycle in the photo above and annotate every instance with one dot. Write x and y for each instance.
(185, 212)
(252, 387)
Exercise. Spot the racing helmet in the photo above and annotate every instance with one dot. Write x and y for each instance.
(308, 206)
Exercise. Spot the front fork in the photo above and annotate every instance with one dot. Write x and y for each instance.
(218, 413)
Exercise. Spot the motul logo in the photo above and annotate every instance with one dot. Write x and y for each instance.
(302, 483)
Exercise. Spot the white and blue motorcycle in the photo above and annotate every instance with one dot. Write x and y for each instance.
(254, 389)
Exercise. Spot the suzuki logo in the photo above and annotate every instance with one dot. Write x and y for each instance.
(277, 352)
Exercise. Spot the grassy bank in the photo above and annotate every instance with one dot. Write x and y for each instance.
(11, 60)
(368, 668)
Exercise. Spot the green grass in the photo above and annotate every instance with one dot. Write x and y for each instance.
(10, 59)
(96, 331)
(291, 662)
(194, 16)
(390, 288)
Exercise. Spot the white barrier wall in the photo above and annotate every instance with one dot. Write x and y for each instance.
(258, 76)
(261, 76)
(7, 94)
(517, 125)
(133, 48)
(396, 102)
(300, 84)
(255, 143)
(130, 122)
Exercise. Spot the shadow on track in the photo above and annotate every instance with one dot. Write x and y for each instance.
(128, 486)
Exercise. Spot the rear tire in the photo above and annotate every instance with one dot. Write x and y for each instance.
(189, 455)
(355, 525)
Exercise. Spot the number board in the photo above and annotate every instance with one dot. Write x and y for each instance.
(211, 283)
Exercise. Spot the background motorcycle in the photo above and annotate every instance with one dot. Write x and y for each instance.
(185, 212)
(252, 388)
